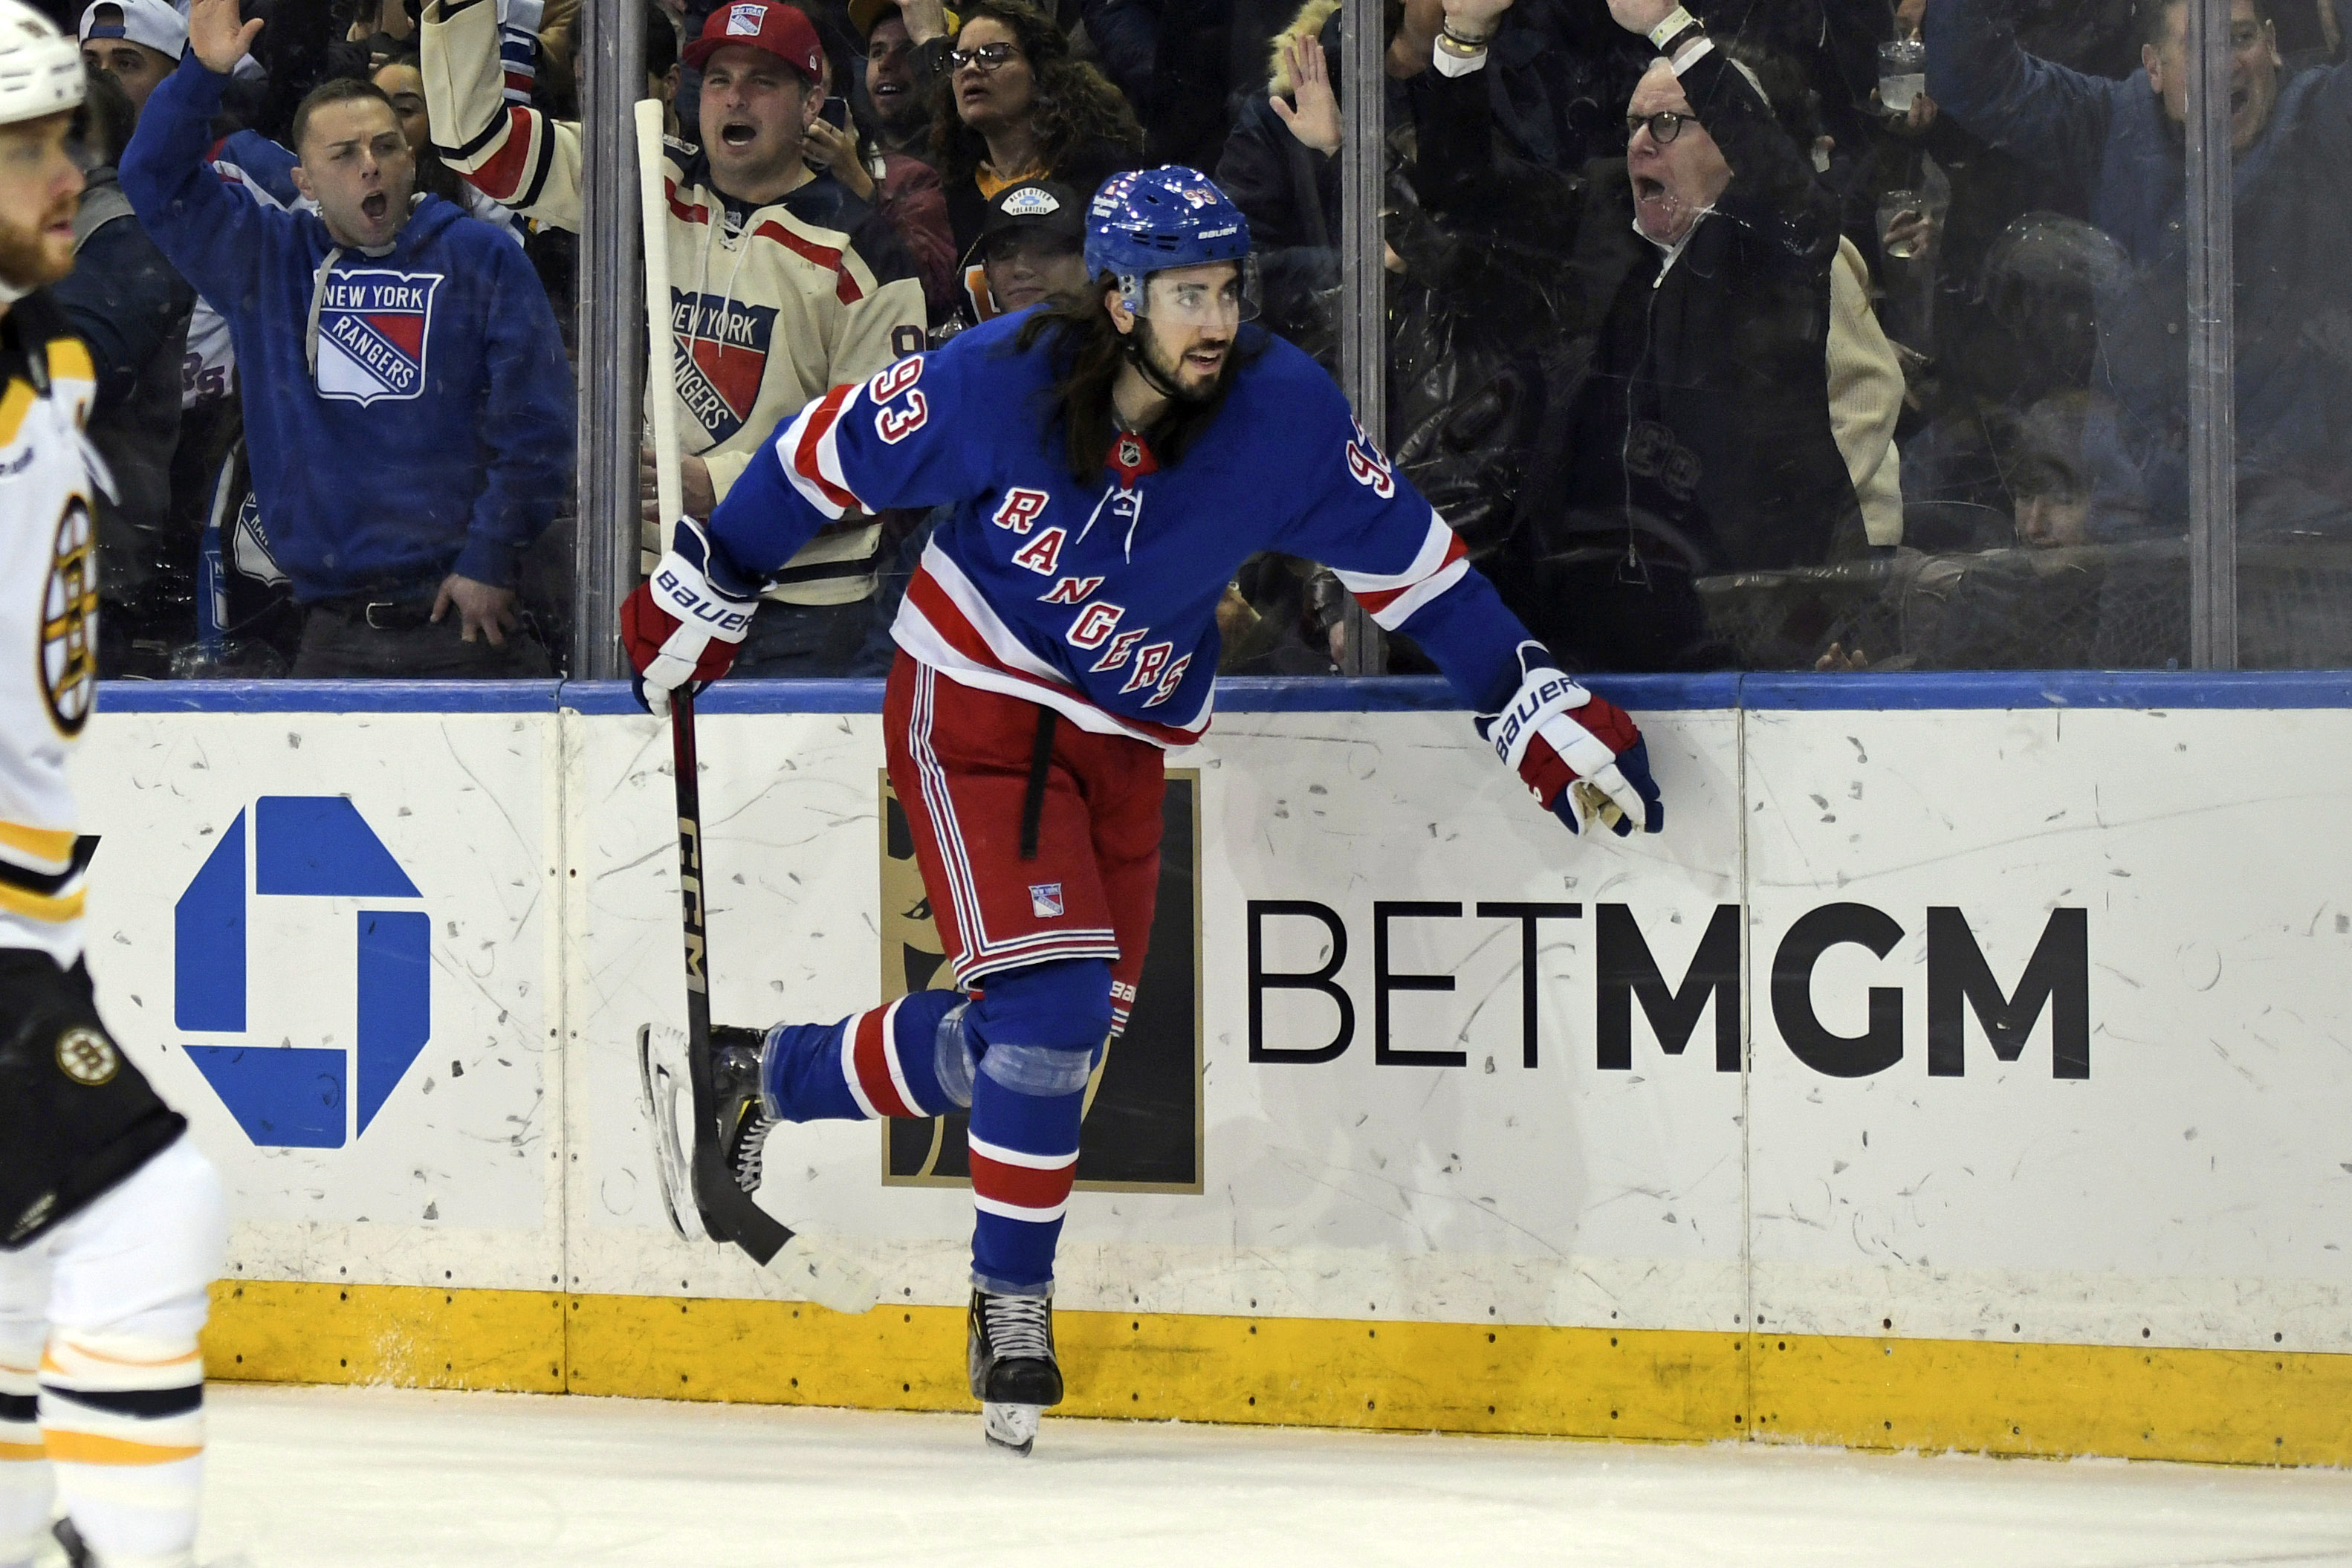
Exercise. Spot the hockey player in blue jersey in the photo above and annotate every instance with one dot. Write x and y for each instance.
(1109, 466)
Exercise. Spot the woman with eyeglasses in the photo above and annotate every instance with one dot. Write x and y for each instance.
(1013, 104)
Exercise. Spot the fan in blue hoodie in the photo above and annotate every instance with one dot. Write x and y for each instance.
(408, 407)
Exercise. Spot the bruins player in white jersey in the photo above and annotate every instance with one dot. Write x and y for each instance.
(110, 1221)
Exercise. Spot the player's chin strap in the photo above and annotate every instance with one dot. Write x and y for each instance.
(1131, 345)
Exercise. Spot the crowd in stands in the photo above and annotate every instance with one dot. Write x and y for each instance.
(1832, 334)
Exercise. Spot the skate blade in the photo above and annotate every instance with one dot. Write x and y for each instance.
(66, 1549)
(818, 1268)
(1009, 1428)
(669, 1111)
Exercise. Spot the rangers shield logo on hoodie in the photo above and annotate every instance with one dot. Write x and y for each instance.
(374, 327)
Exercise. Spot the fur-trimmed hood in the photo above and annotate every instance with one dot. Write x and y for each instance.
(1308, 23)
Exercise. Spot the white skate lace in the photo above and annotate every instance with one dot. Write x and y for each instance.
(1016, 1327)
(750, 1153)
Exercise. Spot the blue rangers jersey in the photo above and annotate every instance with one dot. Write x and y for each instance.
(1098, 598)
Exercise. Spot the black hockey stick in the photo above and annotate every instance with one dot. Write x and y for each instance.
(727, 1210)
(729, 1213)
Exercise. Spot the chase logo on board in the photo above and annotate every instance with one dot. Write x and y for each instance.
(284, 1095)
(374, 326)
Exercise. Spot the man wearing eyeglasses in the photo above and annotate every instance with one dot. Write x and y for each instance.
(1702, 440)
(2124, 141)
(782, 281)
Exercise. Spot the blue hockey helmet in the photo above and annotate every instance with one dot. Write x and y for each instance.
(1155, 220)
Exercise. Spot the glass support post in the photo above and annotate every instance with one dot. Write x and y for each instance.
(2212, 401)
(1364, 287)
(611, 334)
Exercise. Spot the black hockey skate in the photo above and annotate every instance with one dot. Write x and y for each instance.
(741, 1126)
(727, 1144)
(1009, 1352)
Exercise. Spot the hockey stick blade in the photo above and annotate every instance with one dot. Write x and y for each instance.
(817, 1269)
(812, 1267)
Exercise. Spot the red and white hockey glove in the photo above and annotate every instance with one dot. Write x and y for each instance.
(680, 628)
(1580, 754)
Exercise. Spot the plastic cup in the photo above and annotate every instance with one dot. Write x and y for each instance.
(1895, 206)
(1902, 74)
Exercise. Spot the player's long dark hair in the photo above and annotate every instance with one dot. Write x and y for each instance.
(1089, 351)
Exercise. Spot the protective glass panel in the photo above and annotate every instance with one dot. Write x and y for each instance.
(334, 390)
(2292, 100)
(1072, 95)
(1855, 344)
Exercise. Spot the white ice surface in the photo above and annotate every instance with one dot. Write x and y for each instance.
(324, 1478)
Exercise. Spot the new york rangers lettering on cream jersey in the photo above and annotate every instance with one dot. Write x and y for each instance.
(49, 628)
(1098, 598)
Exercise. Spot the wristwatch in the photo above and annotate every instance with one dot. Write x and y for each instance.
(1679, 27)
(1666, 32)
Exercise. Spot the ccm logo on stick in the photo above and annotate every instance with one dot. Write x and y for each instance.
(2056, 980)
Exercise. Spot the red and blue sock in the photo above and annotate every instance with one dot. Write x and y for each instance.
(1019, 1056)
(892, 1060)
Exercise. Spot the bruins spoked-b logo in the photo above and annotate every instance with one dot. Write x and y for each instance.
(1143, 1110)
(88, 1057)
(69, 623)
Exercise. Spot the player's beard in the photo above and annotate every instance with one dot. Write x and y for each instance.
(1169, 368)
(29, 259)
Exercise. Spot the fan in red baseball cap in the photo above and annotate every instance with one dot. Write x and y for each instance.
(762, 75)
(770, 26)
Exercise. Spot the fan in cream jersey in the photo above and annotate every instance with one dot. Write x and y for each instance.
(110, 1221)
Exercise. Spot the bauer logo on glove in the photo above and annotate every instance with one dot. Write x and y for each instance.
(683, 624)
(1578, 754)
(688, 600)
(1541, 696)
